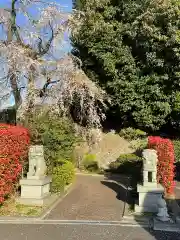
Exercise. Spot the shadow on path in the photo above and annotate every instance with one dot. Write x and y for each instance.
(121, 185)
(120, 190)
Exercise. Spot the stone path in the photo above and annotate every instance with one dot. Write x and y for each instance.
(177, 192)
(92, 198)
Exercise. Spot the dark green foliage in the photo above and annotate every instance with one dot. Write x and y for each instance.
(132, 49)
(132, 134)
(56, 134)
(8, 116)
(90, 163)
(78, 4)
(127, 157)
(63, 174)
(128, 164)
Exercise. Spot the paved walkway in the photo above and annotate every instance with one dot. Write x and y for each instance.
(80, 232)
(92, 198)
(177, 192)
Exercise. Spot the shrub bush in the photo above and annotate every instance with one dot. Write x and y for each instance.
(129, 164)
(14, 141)
(128, 157)
(139, 144)
(132, 134)
(63, 174)
(57, 182)
(177, 150)
(90, 163)
(57, 134)
(166, 160)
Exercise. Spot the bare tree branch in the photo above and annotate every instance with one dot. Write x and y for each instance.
(13, 27)
(48, 44)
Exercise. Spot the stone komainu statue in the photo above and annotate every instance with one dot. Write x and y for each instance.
(37, 165)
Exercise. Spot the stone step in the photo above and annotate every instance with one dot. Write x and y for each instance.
(167, 226)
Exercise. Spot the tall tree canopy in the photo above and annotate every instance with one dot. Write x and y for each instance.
(31, 35)
(132, 50)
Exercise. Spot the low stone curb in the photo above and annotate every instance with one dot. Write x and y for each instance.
(57, 200)
(62, 222)
(137, 220)
(76, 222)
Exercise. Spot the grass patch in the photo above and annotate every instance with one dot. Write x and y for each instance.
(13, 209)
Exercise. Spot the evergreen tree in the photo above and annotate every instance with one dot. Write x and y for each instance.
(132, 50)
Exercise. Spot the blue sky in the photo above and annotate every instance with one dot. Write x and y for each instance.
(66, 4)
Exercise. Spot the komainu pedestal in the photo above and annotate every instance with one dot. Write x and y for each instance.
(149, 191)
(35, 189)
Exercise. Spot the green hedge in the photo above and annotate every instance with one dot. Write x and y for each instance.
(90, 163)
(58, 136)
(62, 175)
(177, 149)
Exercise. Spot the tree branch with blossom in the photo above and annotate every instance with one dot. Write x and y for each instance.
(28, 50)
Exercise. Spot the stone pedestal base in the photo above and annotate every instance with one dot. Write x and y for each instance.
(165, 226)
(148, 197)
(35, 191)
(178, 220)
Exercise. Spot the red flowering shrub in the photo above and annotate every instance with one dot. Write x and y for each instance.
(166, 160)
(14, 141)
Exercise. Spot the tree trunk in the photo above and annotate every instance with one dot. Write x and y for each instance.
(13, 78)
(15, 91)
